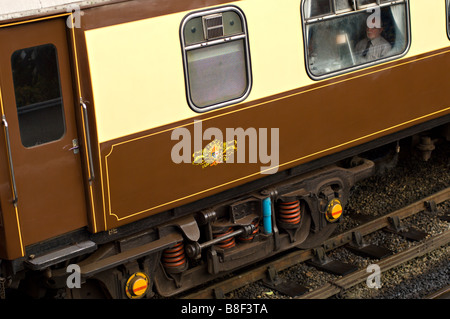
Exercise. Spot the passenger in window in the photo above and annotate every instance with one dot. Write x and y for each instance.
(373, 46)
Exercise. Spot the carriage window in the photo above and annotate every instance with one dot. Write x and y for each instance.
(367, 32)
(38, 95)
(216, 58)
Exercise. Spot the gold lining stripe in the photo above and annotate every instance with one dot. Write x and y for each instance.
(282, 97)
(263, 103)
(35, 20)
(80, 91)
(271, 168)
(16, 209)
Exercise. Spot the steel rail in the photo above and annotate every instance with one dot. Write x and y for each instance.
(359, 276)
(293, 258)
(443, 293)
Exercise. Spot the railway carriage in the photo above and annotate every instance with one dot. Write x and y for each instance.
(155, 145)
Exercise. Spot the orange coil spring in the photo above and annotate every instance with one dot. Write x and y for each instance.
(227, 243)
(252, 235)
(174, 257)
(290, 212)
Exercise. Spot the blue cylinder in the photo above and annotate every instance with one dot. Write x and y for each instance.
(267, 216)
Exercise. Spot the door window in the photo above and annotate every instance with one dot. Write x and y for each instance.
(38, 94)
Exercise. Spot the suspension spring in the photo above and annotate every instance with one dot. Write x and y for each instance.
(289, 212)
(250, 237)
(174, 259)
(227, 243)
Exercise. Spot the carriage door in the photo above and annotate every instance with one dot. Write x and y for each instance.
(38, 106)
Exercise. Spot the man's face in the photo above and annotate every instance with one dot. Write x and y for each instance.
(373, 33)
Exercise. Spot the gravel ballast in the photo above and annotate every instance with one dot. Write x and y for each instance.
(409, 181)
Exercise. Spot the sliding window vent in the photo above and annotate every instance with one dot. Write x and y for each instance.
(213, 26)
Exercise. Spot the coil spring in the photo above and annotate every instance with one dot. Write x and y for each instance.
(252, 235)
(174, 258)
(289, 212)
(227, 243)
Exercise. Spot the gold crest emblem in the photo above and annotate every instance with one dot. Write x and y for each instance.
(214, 153)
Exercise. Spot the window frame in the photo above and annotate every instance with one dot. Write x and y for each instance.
(447, 17)
(209, 43)
(58, 129)
(336, 14)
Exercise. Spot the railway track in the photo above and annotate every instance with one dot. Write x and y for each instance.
(349, 275)
(443, 293)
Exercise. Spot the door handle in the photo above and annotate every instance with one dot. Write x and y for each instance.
(88, 140)
(75, 146)
(11, 165)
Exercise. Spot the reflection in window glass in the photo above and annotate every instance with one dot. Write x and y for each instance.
(193, 32)
(343, 5)
(351, 40)
(366, 2)
(38, 94)
(232, 23)
(217, 73)
(317, 8)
